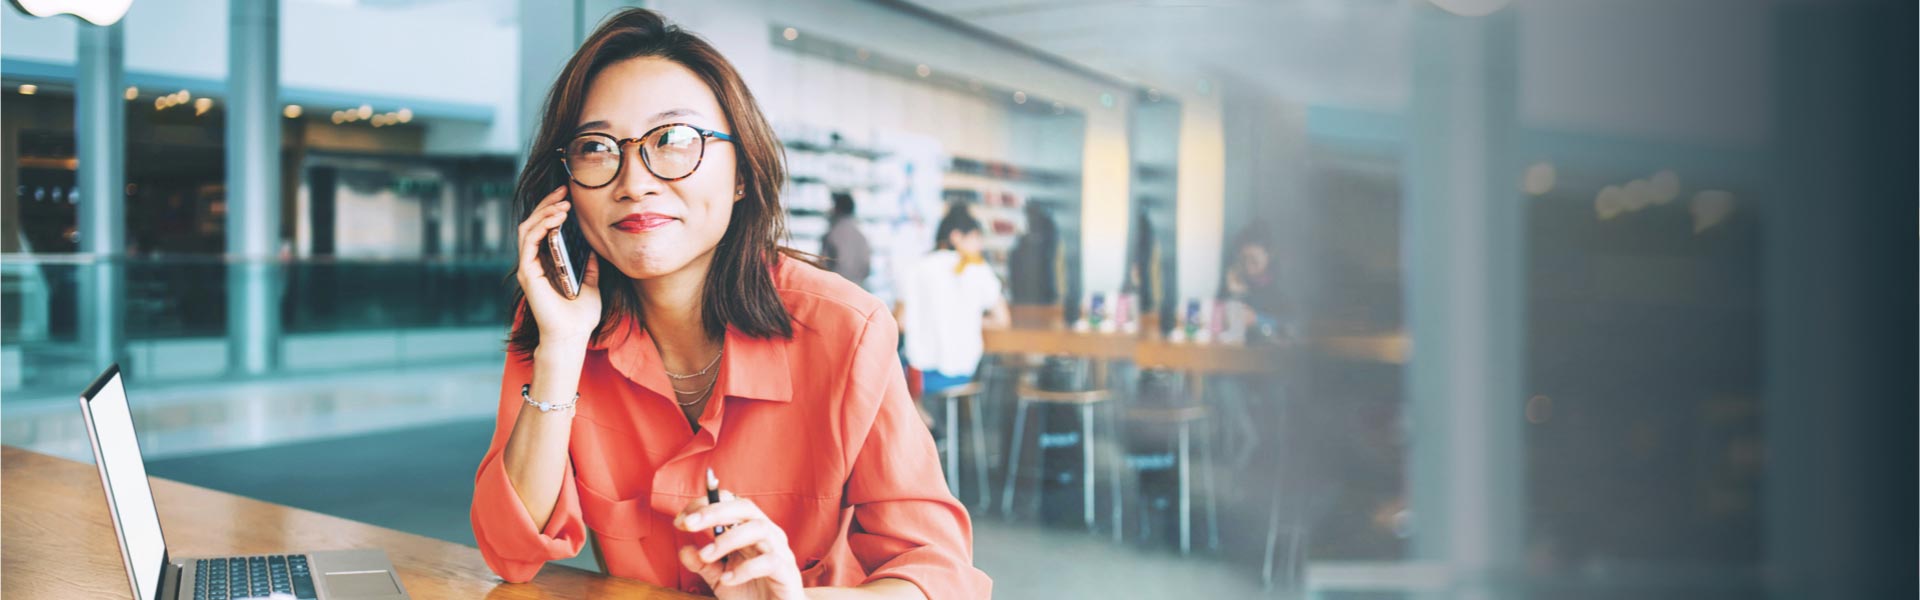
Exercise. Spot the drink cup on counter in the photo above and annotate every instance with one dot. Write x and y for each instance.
(1097, 311)
(1190, 322)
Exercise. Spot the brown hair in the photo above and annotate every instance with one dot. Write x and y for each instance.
(958, 220)
(739, 290)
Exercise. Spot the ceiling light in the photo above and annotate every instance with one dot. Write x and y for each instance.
(1538, 179)
(1665, 186)
(1710, 208)
(1638, 194)
(1609, 203)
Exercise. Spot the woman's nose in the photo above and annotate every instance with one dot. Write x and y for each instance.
(635, 180)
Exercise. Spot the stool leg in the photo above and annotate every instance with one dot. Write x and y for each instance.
(1296, 552)
(1273, 537)
(1086, 467)
(1186, 500)
(953, 445)
(979, 452)
(1118, 457)
(1013, 457)
(1213, 512)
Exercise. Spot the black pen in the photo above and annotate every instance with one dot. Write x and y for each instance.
(713, 497)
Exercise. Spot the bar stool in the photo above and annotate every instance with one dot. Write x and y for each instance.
(969, 393)
(1029, 396)
(1183, 418)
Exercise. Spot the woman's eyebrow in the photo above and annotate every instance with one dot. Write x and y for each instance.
(589, 125)
(672, 113)
(659, 116)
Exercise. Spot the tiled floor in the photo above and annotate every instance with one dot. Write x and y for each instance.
(400, 450)
(1030, 562)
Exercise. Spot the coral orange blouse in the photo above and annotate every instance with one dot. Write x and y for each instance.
(818, 430)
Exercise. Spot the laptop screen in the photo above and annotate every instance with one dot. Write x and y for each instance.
(110, 425)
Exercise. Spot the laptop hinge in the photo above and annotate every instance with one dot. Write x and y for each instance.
(170, 578)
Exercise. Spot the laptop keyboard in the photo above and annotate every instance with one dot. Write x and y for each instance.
(252, 577)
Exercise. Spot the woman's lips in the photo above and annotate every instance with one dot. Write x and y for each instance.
(640, 223)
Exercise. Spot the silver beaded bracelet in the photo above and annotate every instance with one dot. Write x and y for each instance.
(526, 393)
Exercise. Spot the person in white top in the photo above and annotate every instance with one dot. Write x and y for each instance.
(949, 296)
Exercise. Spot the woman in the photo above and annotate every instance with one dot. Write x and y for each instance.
(695, 346)
(950, 296)
(1251, 279)
(1031, 266)
(844, 249)
(1143, 266)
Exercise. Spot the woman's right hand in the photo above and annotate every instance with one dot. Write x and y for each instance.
(560, 320)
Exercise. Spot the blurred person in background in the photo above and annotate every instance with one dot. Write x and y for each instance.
(1252, 278)
(845, 249)
(950, 295)
(691, 318)
(1143, 269)
(1033, 265)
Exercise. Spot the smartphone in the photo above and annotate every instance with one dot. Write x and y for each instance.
(564, 256)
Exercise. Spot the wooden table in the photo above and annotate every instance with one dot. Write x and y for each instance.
(1059, 341)
(59, 541)
(1146, 350)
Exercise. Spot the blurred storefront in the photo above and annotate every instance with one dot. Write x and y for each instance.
(1562, 300)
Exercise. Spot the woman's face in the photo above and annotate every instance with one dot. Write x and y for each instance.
(644, 226)
(1253, 259)
(968, 243)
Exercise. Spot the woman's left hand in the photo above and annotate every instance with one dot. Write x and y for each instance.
(757, 565)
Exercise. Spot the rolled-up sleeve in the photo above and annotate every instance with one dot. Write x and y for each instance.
(906, 524)
(508, 540)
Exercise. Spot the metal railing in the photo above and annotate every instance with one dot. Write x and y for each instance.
(334, 313)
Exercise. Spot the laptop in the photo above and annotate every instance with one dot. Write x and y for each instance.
(157, 575)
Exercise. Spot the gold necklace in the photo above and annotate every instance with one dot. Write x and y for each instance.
(710, 364)
(704, 392)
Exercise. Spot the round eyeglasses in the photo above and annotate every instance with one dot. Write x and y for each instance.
(670, 152)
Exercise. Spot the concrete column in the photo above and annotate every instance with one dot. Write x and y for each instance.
(253, 186)
(549, 33)
(1462, 252)
(1837, 225)
(1106, 215)
(1200, 220)
(10, 233)
(100, 116)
